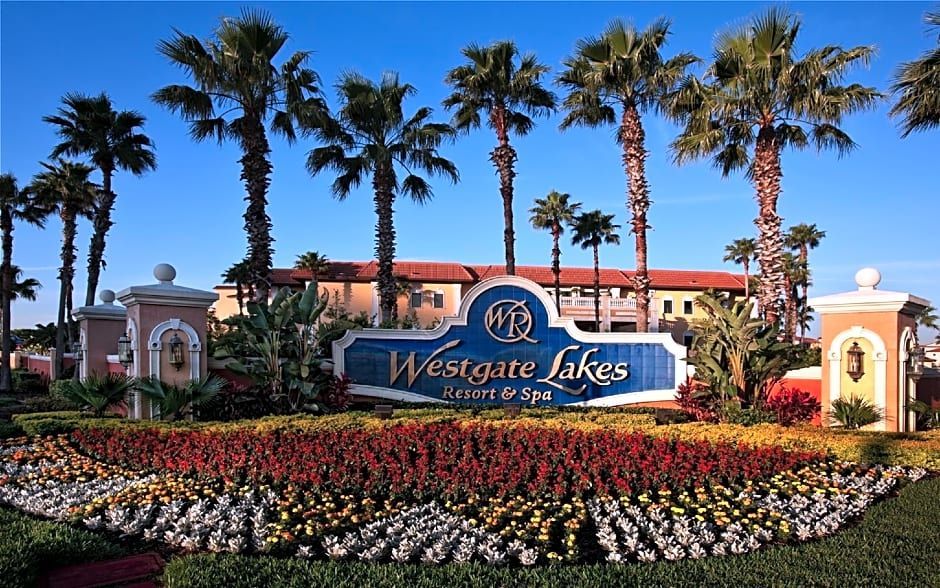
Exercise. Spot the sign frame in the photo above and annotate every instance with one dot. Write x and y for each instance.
(461, 319)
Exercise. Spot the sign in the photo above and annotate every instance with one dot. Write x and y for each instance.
(507, 344)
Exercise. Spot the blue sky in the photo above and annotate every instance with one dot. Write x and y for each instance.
(878, 206)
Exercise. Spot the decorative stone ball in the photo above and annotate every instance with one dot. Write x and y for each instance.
(165, 273)
(867, 277)
(107, 296)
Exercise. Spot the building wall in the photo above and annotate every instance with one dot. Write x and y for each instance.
(427, 314)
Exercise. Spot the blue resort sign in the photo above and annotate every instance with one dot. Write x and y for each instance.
(507, 344)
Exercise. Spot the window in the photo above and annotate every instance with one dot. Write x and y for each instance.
(416, 299)
(687, 339)
(667, 306)
(438, 300)
(687, 306)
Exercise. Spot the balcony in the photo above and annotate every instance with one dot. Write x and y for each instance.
(619, 309)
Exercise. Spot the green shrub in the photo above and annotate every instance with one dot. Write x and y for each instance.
(47, 403)
(748, 417)
(98, 393)
(27, 383)
(9, 429)
(854, 412)
(48, 423)
(29, 547)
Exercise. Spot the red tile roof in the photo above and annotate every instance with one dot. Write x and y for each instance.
(449, 272)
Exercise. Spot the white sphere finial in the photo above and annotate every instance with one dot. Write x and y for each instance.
(165, 273)
(107, 296)
(867, 278)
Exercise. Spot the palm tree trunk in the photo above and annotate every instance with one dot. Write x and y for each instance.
(597, 292)
(504, 158)
(767, 173)
(101, 225)
(634, 162)
(789, 305)
(556, 264)
(255, 171)
(240, 297)
(747, 280)
(383, 183)
(6, 225)
(66, 275)
(804, 302)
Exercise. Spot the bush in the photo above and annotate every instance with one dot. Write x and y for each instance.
(48, 423)
(99, 393)
(854, 412)
(793, 406)
(48, 403)
(26, 383)
(748, 417)
(236, 402)
(9, 429)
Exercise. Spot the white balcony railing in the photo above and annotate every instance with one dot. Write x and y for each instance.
(588, 302)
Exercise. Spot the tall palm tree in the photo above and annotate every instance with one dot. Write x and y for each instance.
(313, 262)
(795, 273)
(758, 97)
(624, 69)
(928, 318)
(491, 83)
(741, 252)
(237, 93)
(802, 238)
(240, 275)
(552, 213)
(65, 189)
(15, 206)
(89, 126)
(591, 230)
(23, 288)
(371, 136)
(915, 85)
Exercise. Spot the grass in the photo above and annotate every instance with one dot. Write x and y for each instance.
(29, 547)
(894, 545)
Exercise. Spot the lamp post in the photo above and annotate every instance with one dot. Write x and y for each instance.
(855, 366)
(78, 356)
(125, 353)
(176, 351)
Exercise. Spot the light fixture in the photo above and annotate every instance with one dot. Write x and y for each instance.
(125, 353)
(176, 351)
(855, 364)
(383, 411)
(77, 352)
(917, 356)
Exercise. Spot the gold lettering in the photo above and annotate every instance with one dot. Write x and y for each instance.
(409, 364)
(434, 368)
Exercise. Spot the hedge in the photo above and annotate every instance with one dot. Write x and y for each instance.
(894, 545)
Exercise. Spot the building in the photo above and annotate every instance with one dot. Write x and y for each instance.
(432, 290)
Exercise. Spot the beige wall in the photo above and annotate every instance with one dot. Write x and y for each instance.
(427, 314)
(226, 305)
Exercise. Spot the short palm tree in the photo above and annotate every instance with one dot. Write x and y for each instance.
(89, 126)
(928, 318)
(552, 213)
(757, 98)
(314, 263)
(803, 238)
(741, 252)
(177, 402)
(916, 85)
(15, 206)
(795, 274)
(591, 230)
(65, 189)
(237, 92)
(371, 136)
(624, 69)
(509, 95)
(99, 393)
(240, 275)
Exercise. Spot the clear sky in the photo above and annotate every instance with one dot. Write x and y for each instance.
(879, 206)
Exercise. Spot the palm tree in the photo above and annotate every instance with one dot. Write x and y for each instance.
(237, 92)
(15, 205)
(23, 288)
(795, 274)
(802, 238)
(314, 263)
(757, 98)
(89, 125)
(240, 275)
(371, 136)
(590, 230)
(741, 252)
(928, 318)
(624, 69)
(915, 85)
(552, 213)
(65, 189)
(509, 95)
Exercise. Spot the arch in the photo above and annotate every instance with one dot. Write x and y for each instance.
(907, 386)
(881, 367)
(155, 345)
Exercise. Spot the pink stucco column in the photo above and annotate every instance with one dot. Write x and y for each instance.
(100, 327)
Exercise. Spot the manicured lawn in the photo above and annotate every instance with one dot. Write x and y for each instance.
(895, 545)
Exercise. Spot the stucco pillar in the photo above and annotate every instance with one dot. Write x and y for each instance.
(100, 326)
(605, 311)
(157, 312)
(882, 323)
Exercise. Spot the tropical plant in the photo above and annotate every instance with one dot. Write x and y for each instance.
(794, 272)
(15, 206)
(738, 356)
(928, 319)
(99, 393)
(854, 412)
(552, 213)
(741, 252)
(928, 417)
(314, 263)
(23, 288)
(793, 406)
(177, 402)
(915, 84)
(591, 230)
(509, 95)
(624, 68)
(89, 126)
(282, 347)
(757, 98)
(802, 238)
(237, 91)
(370, 135)
(240, 275)
(65, 189)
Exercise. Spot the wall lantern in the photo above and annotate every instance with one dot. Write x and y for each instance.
(176, 352)
(854, 364)
(77, 353)
(125, 353)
